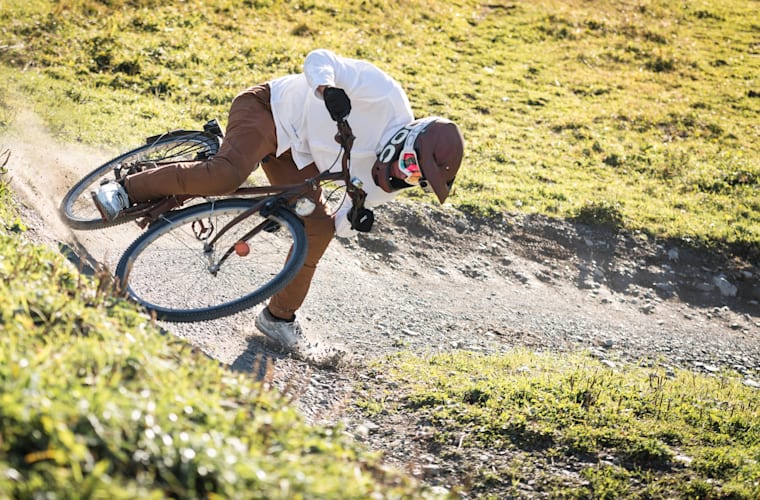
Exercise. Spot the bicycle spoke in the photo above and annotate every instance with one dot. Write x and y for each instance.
(78, 209)
(167, 269)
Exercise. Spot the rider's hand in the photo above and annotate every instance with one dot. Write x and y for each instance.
(337, 103)
(362, 221)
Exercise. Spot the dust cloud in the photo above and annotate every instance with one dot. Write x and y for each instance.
(42, 169)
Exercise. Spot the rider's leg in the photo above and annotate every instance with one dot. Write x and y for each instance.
(250, 136)
(319, 232)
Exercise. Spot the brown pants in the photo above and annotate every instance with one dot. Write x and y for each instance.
(250, 138)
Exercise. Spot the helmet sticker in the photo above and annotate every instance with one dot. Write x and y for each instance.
(407, 135)
(389, 151)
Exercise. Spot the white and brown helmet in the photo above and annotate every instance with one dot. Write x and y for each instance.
(429, 153)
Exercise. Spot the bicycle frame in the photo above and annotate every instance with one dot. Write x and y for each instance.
(207, 242)
(269, 197)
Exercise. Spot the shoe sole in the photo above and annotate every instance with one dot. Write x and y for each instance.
(97, 205)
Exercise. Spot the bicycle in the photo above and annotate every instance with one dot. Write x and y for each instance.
(203, 245)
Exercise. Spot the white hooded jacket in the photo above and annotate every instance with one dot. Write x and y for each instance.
(379, 107)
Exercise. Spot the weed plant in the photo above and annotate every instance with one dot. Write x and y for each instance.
(640, 113)
(578, 428)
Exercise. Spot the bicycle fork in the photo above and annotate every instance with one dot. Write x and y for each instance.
(204, 231)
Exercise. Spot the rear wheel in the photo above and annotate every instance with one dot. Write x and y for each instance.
(77, 207)
(173, 271)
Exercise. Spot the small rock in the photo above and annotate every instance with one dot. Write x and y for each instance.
(522, 278)
(726, 288)
(439, 491)
(647, 308)
(594, 353)
(685, 460)
(705, 287)
(752, 383)
(542, 276)
(366, 428)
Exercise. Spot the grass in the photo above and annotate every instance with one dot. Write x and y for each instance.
(633, 431)
(96, 402)
(637, 114)
(5, 193)
(649, 107)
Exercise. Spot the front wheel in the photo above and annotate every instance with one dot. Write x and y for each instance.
(174, 272)
(77, 208)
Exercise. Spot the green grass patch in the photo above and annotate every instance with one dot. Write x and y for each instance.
(650, 108)
(95, 402)
(5, 192)
(627, 431)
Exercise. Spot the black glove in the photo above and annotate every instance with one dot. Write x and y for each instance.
(337, 103)
(363, 222)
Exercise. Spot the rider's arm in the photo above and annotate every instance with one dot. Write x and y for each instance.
(360, 79)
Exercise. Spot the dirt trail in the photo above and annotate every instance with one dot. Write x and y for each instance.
(434, 278)
(431, 279)
(42, 170)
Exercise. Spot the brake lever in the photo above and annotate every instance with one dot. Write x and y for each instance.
(360, 217)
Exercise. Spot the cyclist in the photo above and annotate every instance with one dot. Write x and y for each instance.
(287, 125)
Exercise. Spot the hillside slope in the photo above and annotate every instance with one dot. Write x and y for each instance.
(430, 280)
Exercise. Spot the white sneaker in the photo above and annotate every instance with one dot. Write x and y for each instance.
(110, 199)
(287, 334)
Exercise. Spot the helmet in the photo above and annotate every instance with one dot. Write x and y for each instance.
(429, 152)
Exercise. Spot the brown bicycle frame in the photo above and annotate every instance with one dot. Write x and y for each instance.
(276, 195)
